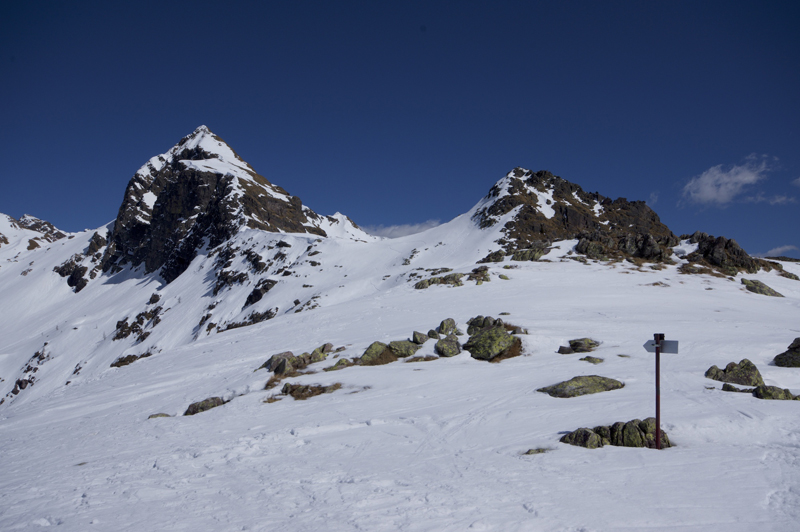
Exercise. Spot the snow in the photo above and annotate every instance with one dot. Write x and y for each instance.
(542, 199)
(406, 446)
(149, 199)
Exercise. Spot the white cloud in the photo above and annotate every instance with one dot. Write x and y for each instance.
(719, 185)
(796, 182)
(778, 251)
(396, 231)
(653, 199)
(773, 200)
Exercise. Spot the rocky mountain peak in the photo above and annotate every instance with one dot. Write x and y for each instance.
(49, 232)
(540, 207)
(198, 194)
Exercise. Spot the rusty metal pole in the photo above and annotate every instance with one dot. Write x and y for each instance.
(658, 338)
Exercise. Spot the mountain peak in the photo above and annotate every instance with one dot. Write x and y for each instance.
(198, 194)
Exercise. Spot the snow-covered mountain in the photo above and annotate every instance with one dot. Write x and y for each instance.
(209, 270)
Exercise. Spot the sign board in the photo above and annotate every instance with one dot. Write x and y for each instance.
(667, 346)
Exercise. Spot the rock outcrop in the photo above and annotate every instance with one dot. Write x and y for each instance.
(583, 385)
(791, 357)
(757, 287)
(634, 433)
(745, 373)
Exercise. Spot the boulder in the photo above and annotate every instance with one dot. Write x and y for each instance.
(744, 373)
(564, 350)
(729, 388)
(488, 343)
(303, 391)
(202, 406)
(340, 364)
(448, 346)
(583, 385)
(160, 414)
(592, 360)
(433, 334)
(773, 392)
(403, 348)
(634, 433)
(377, 354)
(791, 357)
(758, 287)
(447, 326)
(419, 338)
(583, 345)
(275, 360)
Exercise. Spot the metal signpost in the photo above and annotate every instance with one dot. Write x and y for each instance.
(658, 345)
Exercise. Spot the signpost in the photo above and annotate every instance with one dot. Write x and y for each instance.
(658, 345)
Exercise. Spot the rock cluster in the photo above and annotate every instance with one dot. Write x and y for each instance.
(489, 339)
(579, 345)
(744, 373)
(287, 362)
(634, 433)
(764, 392)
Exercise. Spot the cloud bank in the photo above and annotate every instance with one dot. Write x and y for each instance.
(396, 231)
(778, 251)
(720, 185)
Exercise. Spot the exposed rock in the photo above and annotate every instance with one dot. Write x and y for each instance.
(419, 338)
(448, 346)
(447, 326)
(74, 272)
(760, 288)
(489, 343)
(202, 406)
(535, 252)
(730, 388)
(129, 359)
(263, 286)
(303, 391)
(287, 363)
(403, 348)
(160, 414)
(340, 364)
(479, 275)
(377, 354)
(564, 350)
(49, 232)
(582, 345)
(433, 334)
(791, 357)
(495, 256)
(724, 254)
(744, 373)
(452, 279)
(773, 392)
(634, 433)
(592, 360)
(426, 358)
(583, 385)
(537, 450)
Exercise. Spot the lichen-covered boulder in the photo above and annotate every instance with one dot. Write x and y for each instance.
(745, 373)
(419, 338)
(757, 287)
(564, 350)
(791, 357)
(377, 354)
(489, 343)
(592, 360)
(433, 334)
(447, 326)
(583, 385)
(340, 364)
(403, 348)
(202, 406)
(160, 414)
(583, 345)
(448, 346)
(303, 391)
(275, 360)
(773, 392)
(583, 437)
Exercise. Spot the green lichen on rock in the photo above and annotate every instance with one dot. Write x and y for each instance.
(490, 342)
(791, 357)
(377, 354)
(302, 392)
(287, 362)
(745, 373)
(757, 287)
(452, 279)
(789, 275)
(494, 256)
(340, 364)
(634, 433)
(160, 414)
(529, 254)
(448, 346)
(504, 277)
(202, 406)
(403, 348)
(537, 450)
(447, 326)
(773, 392)
(592, 360)
(419, 338)
(583, 385)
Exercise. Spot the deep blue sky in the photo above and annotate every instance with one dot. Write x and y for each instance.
(398, 113)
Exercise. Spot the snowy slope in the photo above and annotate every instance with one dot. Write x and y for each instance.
(426, 446)
(434, 445)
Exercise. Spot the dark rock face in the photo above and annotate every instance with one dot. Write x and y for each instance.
(584, 385)
(791, 357)
(605, 227)
(634, 433)
(198, 194)
(724, 254)
(745, 373)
